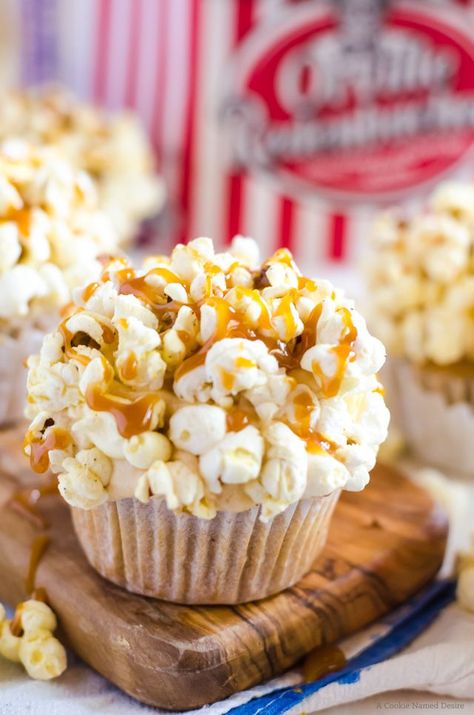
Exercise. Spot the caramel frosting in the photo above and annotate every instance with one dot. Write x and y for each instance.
(209, 380)
(51, 233)
(421, 280)
(113, 149)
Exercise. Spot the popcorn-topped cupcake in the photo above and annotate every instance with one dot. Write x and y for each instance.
(209, 380)
(51, 233)
(421, 279)
(113, 149)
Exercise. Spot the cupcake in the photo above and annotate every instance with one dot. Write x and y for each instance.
(421, 283)
(113, 149)
(202, 415)
(50, 235)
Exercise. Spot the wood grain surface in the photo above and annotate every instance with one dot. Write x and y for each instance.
(384, 544)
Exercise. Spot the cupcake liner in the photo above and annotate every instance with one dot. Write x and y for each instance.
(13, 353)
(436, 413)
(233, 558)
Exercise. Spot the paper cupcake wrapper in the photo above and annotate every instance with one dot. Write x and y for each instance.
(233, 558)
(13, 353)
(436, 413)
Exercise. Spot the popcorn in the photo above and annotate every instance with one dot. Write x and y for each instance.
(42, 655)
(9, 643)
(236, 459)
(236, 364)
(245, 250)
(197, 428)
(182, 488)
(210, 384)
(142, 450)
(114, 149)
(35, 647)
(84, 479)
(284, 472)
(419, 274)
(51, 232)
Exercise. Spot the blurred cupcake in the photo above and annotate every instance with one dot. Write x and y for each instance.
(113, 149)
(421, 282)
(202, 415)
(50, 236)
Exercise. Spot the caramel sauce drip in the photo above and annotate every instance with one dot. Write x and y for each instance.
(38, 548)
(322, 661)
(240, 417)
(131, 417)
(316, 443)
(129, 368)
(140, 287)
(22, 218)
(192, 363)
(56, 438)
(89, 291)
(25, 501)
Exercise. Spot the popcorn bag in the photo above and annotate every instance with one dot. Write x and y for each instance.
(289, 121)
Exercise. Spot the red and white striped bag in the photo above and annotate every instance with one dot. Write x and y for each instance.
(288, 120)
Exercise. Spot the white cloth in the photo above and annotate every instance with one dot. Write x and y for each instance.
(439, 661)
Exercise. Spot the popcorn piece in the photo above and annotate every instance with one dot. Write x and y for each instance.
(142, 450)
(84, 481)
(245, 250)
(182, 488)
(42, 655)
(237, 364)
(197, 428)
(37, 616)
(284, 472)
(9, 643)
(235, 460)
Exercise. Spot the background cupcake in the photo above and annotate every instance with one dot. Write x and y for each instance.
(50, 235)
(421, 280)
(113, 149)
(202, 416)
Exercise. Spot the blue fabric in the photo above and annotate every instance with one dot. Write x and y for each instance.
(406, 623)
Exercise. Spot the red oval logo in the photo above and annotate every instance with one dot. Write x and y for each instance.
(352, 100)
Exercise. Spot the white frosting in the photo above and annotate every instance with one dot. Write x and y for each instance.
(204, 403)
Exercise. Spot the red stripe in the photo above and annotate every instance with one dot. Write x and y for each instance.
(102, 50)
(235, 189)
(133, 51)
(188, 163)
(286, 212)
(337, 236)
(160, 80)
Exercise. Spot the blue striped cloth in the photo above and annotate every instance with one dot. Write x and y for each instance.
(397, 630)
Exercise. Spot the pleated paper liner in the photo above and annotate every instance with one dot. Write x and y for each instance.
(13, 353)
(435, 408)
(233, 558)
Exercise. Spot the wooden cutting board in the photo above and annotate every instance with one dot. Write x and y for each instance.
(384, 544)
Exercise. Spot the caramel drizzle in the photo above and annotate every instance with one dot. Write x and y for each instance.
(55, 438)
(322, 661)
(131, 417)
(38, 548)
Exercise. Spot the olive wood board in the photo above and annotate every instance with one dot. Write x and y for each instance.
(384, 544)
